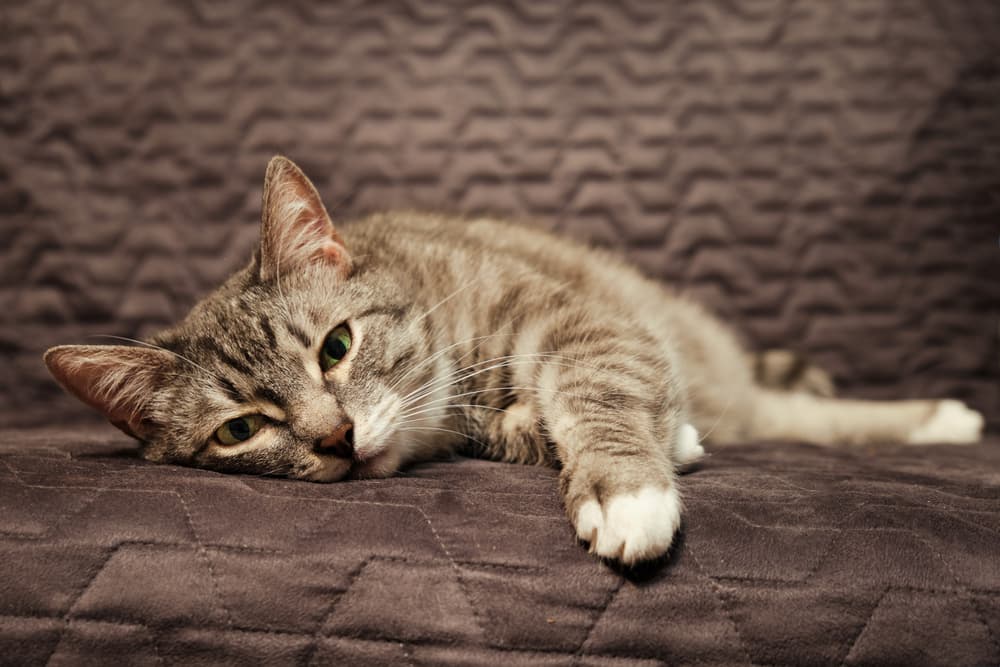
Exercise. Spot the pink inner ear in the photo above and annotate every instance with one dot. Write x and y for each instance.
(117, 381)
(335, 254)
(296, 227)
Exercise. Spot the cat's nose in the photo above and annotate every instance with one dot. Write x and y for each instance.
(339, 443)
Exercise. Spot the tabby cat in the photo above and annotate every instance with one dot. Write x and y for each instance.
(347, 352)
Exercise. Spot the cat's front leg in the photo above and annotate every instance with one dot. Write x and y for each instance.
(618, 444)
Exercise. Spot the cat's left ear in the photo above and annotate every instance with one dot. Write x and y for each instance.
(295, 227)
(116, 380)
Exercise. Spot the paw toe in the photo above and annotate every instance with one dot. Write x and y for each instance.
(950, 423)
(633, 527)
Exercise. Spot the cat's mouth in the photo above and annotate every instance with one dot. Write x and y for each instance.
(364, 463)
(382, 463)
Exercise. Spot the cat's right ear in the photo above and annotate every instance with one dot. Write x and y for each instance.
(295, 228)
(115, 380)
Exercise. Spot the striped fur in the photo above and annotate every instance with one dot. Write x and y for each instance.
(468, 335)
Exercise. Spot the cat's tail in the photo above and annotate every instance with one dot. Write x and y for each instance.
(784, 370)
(803, 417)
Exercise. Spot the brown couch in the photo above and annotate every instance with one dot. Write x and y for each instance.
(826, 175)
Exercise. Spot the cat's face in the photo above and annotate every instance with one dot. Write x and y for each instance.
(307, 382)
(300, 365)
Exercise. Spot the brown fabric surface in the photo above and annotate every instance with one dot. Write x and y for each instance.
(790, 555)
(824, 174)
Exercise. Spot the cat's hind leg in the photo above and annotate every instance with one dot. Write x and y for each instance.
(828, 421)
(952, 422)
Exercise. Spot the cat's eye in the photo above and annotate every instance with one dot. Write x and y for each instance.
(335, 347)
(239, 430)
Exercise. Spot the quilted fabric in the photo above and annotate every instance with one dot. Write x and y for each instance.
(790, 555)
(826, 175)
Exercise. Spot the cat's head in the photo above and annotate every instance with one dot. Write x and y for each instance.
(299, 365)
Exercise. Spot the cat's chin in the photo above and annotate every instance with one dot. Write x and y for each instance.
(384, 464)
(326, 470)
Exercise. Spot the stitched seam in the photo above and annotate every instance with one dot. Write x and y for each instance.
(442, 643)
(500, 566)
(315, 636)
(458, 573)
(864, 627)
(149, 631)
(599, 614)
(972, 601)
(61, 519)
(717, 589)
(79, 596)
(203, 554)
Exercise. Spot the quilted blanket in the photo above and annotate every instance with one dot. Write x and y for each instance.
(825, 175)
(790, 555)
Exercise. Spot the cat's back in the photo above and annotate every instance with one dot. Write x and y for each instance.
(503, 248)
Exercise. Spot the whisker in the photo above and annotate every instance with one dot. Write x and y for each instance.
(509, 360)
(464, 436)
(156, 347)
(446, 299)
(535, 389)
(718, 419)
(435, 356)
(448, 407)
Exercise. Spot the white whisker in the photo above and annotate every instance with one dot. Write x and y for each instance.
(156, 347)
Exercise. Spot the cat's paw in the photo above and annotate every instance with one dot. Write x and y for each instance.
(951, 423)
(688, 449)
(631, 527)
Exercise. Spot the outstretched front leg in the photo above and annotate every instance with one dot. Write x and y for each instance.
(616, 422)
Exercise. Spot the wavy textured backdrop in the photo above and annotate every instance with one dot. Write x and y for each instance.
(824, 174)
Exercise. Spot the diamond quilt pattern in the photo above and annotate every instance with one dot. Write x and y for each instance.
(826, 175)
(834, 558)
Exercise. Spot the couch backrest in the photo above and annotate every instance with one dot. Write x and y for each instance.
(824, 174)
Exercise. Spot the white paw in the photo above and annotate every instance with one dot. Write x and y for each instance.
(631, 527)
(951, 423)
(688, 449)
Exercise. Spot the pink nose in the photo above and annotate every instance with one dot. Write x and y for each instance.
(339, 443)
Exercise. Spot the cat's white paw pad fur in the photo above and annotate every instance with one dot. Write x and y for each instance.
(631, 527)
(688, 449)
(951, 423)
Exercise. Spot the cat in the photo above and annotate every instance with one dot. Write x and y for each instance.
(351, 351)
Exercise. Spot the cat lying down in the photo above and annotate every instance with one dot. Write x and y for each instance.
(347, 352)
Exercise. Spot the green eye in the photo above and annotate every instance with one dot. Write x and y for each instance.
(240, 429)
(335, 347)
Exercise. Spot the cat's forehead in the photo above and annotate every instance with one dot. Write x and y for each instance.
(267, 321)
(242, 318)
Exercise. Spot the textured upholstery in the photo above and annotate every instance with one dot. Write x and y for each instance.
(791, 555)
(826, 175)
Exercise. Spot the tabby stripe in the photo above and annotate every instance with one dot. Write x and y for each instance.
(298, 334)
(613, 448)
(316, 317)
(397, 364)
(601, 397)
(499, 314)
(214, 348)
(230, 389)
(395, 311)
(265, 326)
(268, 394)
(794, 371)
(560, 338)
